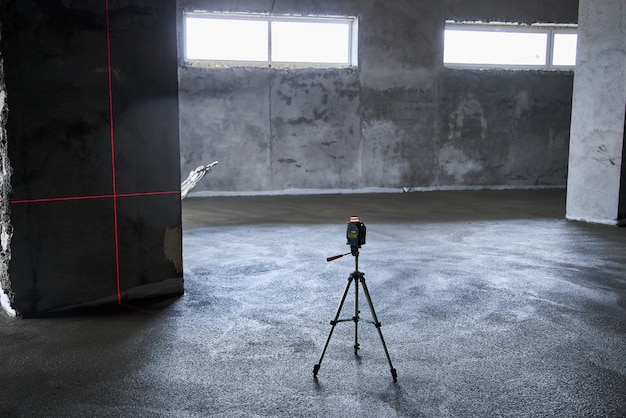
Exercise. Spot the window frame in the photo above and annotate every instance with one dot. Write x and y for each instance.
(549, 29)
(351, 21)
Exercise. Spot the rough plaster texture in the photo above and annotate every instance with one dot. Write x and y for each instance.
(400, 119)
(91, 225)
(598, 114)
(6, 232)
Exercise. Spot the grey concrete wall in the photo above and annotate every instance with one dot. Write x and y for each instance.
(398, 120)
(598, 120)
(504, 128)
(95, 208)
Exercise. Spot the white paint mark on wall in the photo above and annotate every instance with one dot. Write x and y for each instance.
(456, 164)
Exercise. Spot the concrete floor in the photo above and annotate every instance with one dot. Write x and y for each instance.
(491, 304)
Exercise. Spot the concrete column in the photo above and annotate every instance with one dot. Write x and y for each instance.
(5, 213)
(595, 171)
(92, 136)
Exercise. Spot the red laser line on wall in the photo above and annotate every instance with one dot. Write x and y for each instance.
(113, 174)
(103, 196)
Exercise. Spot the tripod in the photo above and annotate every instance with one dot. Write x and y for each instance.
(356, 277)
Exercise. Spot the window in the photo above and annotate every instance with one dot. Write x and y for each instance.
(474, 45)
(225, 39)
(264, 40)
(564, 49)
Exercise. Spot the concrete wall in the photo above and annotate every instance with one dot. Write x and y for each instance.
(398, 120)
(596, 180)
(95, 209)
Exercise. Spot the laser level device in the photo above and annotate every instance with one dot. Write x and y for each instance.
(355, 234)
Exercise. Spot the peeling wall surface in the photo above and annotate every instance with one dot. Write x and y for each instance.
(93, 141)
(399, 119)
(6, 232)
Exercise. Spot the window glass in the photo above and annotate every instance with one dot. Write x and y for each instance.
(225, 39)
(311, 42)
(495, 47)
(564, 49)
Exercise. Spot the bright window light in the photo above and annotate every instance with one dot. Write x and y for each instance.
(475, 45)
(564, 49)
(495, 48)
(264, 40)
(311, 42)
(225, 39)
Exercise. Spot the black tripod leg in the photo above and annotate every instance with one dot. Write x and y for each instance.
(378, 325)
(356, 275)
(316, 368)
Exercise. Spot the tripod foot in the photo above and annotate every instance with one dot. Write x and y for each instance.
(394, 375)
(316, 369)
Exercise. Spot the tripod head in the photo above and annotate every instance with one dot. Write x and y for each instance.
(355, 235)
